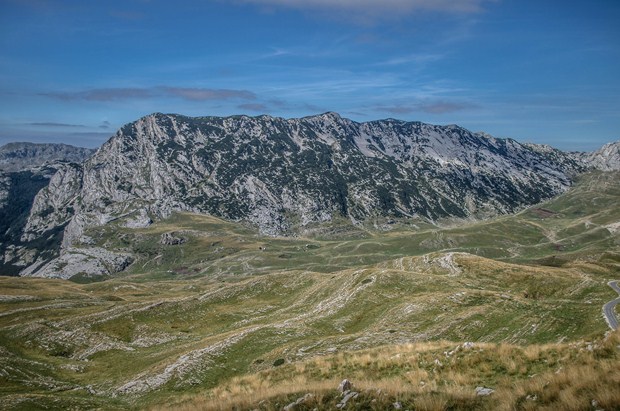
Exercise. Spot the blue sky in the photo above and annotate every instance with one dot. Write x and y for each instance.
(538, 71)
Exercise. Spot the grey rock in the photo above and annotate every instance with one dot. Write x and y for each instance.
(171, 239)
(348, 396)
(345, 385)
(85, 261)
(595, 405)
(140, 220)
(483, 391)
(397, 405)
(299, 401)
(54, 205)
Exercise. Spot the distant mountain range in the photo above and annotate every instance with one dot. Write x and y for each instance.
(283, 176)
(21, 156)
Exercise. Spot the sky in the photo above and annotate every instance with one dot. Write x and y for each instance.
(542, 71)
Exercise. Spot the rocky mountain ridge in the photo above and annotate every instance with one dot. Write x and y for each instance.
(607, 158)
(21, 156)
(284, 175)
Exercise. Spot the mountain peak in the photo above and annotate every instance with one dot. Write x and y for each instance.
(328, 115)
(607, 158)
(331, 114)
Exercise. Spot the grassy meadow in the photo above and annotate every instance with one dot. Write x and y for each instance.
(233, 320)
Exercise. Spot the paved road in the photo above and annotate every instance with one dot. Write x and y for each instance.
(608, 309)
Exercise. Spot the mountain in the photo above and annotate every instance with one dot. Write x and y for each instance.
(21, 156)
(285, 176)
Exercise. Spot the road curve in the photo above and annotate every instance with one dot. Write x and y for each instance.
(608, 309)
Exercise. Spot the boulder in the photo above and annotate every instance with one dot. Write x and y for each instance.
(346, 398)
(345, 386)
(483, 392)
(299, 401)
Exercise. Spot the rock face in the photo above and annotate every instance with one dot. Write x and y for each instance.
(21, 156)
(283, 174)
(17, 193)
(25, 169)
(605, 159)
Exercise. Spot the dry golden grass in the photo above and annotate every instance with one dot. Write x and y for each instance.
(434, 376)
(430, 403)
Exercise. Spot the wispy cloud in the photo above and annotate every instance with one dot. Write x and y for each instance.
(378, 8)
(313, 108)
(442, 107)
(257, 107)
(437, 107)
(91, 134)
(52, 124)
(202, 94)
(412, 58)
(102, 94)
(185, 93)
(280, 105)
(396, 109)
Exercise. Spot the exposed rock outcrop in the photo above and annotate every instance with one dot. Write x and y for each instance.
(607, 158)
(88, 262)
(171, 239)
(292, 406)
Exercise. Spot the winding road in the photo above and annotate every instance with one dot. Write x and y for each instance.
(608, 309)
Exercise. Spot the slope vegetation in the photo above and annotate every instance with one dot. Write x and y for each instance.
(432, 376)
